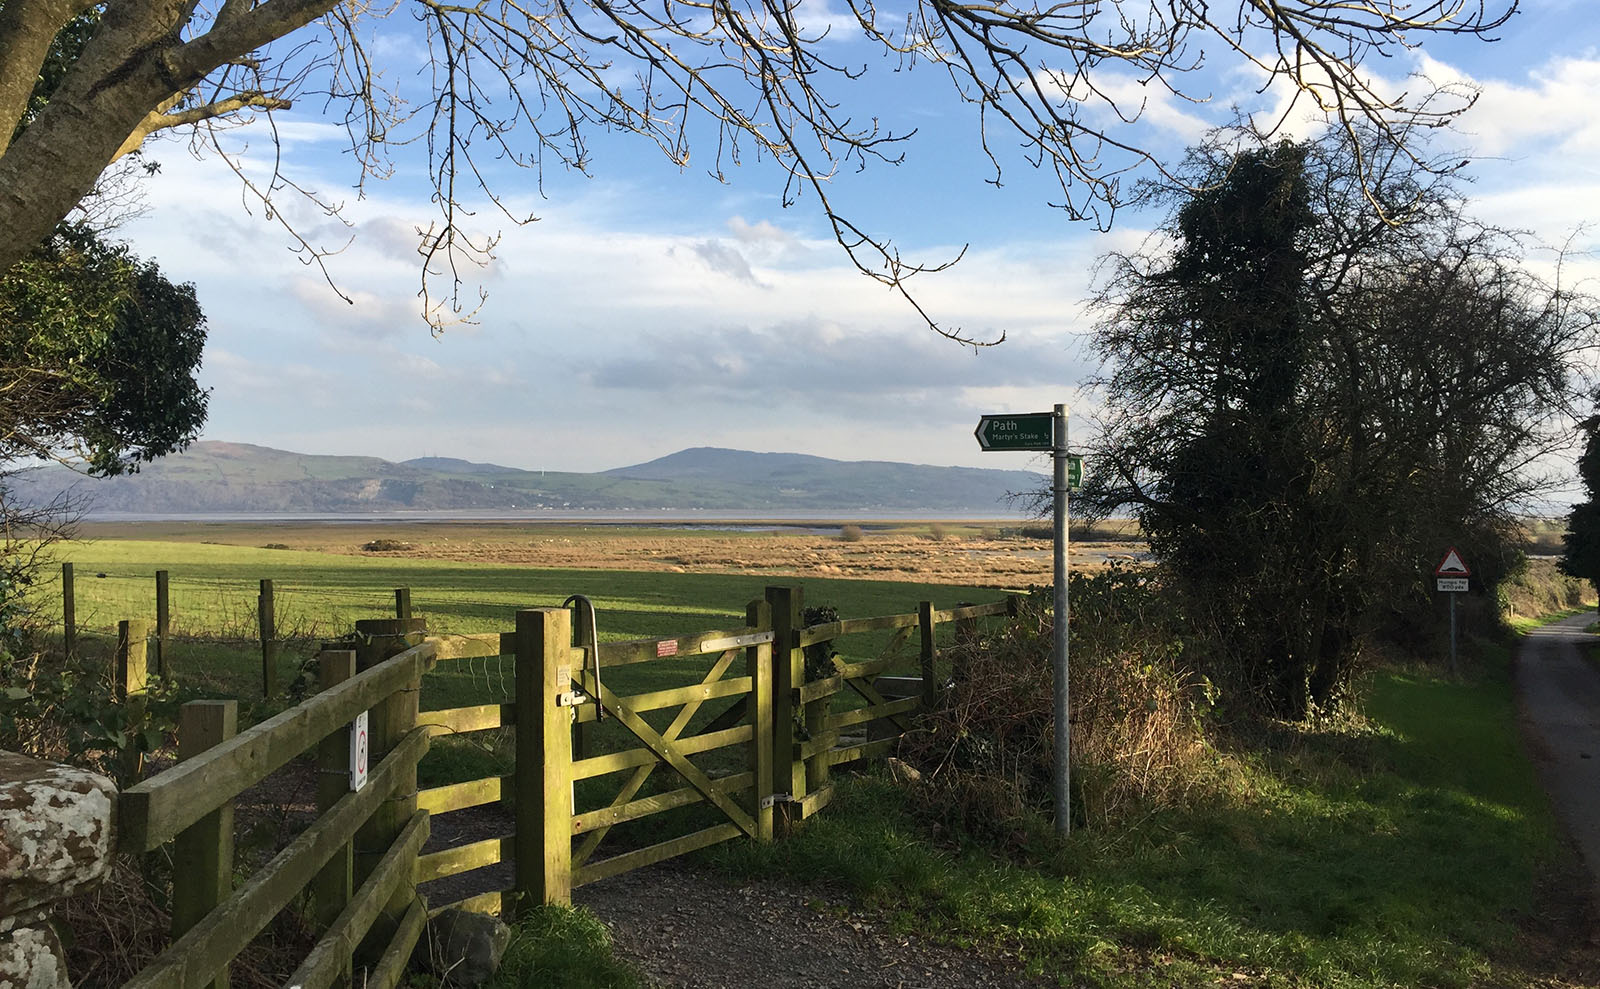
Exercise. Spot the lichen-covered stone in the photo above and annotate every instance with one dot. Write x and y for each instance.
(55, 835)
(31, 958)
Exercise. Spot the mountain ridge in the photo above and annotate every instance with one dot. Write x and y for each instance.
(220, 477)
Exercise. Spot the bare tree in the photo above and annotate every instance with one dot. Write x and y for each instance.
(530, 80)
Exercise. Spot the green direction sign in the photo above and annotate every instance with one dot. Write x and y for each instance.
(1024, 431)
(1074, 472)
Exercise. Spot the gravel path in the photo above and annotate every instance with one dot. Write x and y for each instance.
(688, 928)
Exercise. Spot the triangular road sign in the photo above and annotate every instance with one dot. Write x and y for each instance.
(1452, 565)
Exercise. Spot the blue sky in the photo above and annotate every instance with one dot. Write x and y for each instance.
(651, 308)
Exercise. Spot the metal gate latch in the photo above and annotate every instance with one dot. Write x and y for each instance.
(578, 696)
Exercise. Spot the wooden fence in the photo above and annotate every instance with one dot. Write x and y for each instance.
(752, 770)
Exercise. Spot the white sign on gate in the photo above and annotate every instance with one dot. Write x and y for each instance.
(358, 751)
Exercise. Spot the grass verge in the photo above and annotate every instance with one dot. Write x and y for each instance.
(1402, 849)
(558, 946)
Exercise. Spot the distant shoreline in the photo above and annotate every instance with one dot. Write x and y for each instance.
(691, 518)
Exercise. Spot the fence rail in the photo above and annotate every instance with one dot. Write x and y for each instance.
(752, 770)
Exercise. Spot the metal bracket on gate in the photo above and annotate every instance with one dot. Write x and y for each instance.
(576, 697)
(777, 798)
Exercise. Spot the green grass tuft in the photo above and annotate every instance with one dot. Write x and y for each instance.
(563, 947)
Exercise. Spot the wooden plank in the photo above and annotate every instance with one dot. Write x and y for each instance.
(616, 761)
(461, 720)
(972, 611)
(870, 694)
(328, 961)
(814, 802)
(462, 858)
(818, 689)
(460, 796)
(671, 752)
(151, 812)
(607, 817)
(863, 714)
(867, 668)
(650, 855)
(698, 693)
(850, 626)
(478, 645)
(487, 903)
(191, 961)
(928, 651)
(896, 643)
(202, 854)
(816, 744)
(391, 968)
(648, 650)
(866, 750)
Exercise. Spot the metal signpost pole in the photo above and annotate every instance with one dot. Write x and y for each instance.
(1454, 669)
(1042, 431)
(1063, 747)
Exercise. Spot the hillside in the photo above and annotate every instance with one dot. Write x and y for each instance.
(217, 477)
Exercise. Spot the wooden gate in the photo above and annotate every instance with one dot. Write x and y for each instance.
(726, 767)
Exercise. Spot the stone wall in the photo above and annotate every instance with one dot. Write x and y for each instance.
(55, 840)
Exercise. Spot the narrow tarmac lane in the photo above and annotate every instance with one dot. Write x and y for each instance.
(1560, 697)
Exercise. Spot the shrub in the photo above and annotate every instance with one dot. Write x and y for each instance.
(851, 534)
(275, 546)
(986, 750)
(385, 546)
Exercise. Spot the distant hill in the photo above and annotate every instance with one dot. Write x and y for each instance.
(215, 477)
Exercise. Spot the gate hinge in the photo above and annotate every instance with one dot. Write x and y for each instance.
(778, 798)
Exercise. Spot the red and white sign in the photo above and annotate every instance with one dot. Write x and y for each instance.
(666, 647)
(1452, 565)
(358, 751)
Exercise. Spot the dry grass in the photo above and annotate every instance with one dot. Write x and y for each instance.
(987, 750)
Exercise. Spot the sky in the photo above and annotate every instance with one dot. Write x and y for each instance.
(651, 308)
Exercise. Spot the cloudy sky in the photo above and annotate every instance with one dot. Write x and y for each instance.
(651, 308)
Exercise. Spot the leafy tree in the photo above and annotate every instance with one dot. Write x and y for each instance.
(98, 353)
(530, 83)
(1582, 556)
(1307, 403)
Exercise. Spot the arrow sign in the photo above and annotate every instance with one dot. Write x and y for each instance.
(1023, 431)
(1452, 565)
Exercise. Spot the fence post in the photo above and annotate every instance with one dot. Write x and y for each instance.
(402, 603)
(758, 664)
(788, 674)
(925, 628)
(202, 854)
(267, 618)
(334, 885)
(132, 675)
(69, 613)
(163, 622)
(390, 721)
(544, 758)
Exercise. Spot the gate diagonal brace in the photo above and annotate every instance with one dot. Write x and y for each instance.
(631, 788)
(669, 753)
